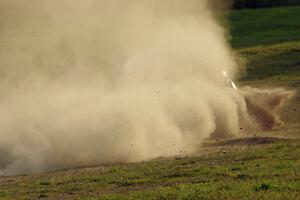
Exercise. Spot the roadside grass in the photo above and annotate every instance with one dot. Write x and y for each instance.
(264, 26)
(268, 172)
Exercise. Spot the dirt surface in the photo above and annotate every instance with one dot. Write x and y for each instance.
(251, 141)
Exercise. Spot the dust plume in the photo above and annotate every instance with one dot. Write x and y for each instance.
(96, 81)
(264, 105)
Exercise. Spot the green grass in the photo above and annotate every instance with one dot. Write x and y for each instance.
(280, 62)
(269, 40)
(268, 172)
(264, 26)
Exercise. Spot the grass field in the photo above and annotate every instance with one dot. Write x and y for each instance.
(279, 62)
(270, 40)
(264, 26)
(231, 171)
(253, 168)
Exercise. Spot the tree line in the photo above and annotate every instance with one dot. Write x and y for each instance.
(239, 4)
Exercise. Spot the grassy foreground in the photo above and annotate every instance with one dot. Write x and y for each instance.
(232, 171)
(270, 41)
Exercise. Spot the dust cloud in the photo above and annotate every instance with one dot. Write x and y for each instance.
(265, 105)
(97, 81)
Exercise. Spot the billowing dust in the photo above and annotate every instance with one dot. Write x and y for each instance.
(97, 81)
(264, 106)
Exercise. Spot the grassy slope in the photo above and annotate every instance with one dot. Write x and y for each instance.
(267, 172)
(270, 40)
(279, 62)
(265, 26)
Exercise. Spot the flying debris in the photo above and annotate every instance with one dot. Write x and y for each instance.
(229, 81)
